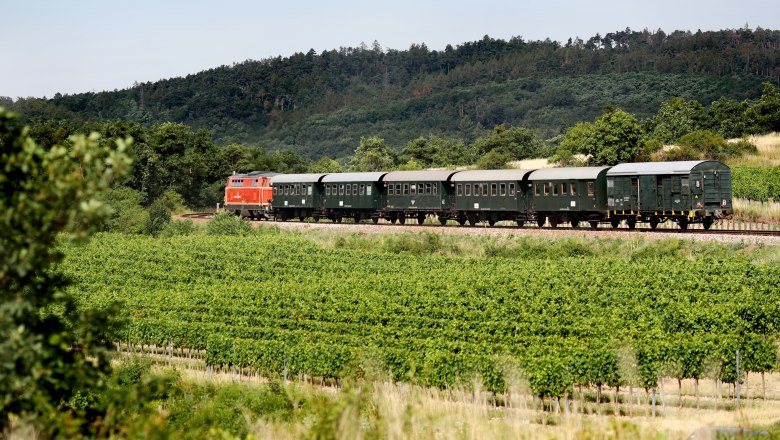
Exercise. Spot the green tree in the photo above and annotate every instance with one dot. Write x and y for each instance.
(49, 359)
(615, 137)
(435, 151)
(372, 155)
(676, 118)
(765, 114)
(516, 143)
(324, 165)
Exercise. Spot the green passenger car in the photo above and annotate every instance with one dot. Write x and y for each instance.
(297, 195)
(491, 196)
(684, 192)
(353, 195)
(417, 194)
(570, 195)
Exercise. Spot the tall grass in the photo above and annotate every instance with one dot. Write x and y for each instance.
(750, 210)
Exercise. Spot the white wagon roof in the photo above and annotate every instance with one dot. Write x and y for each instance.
(353, 177)
(574, 173)
(419, 176)
(490, 175)
(644, 168)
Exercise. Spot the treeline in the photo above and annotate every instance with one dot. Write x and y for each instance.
(322, 103)
(192, 167)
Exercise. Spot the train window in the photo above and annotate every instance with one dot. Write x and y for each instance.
(390, 190)
(610, 183)
(412, 189)
(428, 188)
(327, 190)
(349, 190)
(286, 189)
(362, 189)
(310, 189)
(459, 190)
(572, 188)
(477, 189)
(591, 190)
(502, 190)
(511, 190)
(554, 189)
(634, 184)
(468, 189)
(341, 189)
(398, 189)
(274, 191)
(368, 190)
(685, 182)
(493, 189)
(254, 182)
(485, 189)
(564, 188)
(435, 188)
(354, 189)
(546, 189)
(297, 190)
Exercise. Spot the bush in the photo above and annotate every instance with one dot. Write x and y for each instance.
(158, 217)
(178, 228)
(128, 216)
(225, 223)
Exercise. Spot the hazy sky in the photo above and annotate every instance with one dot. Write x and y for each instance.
(73, 46)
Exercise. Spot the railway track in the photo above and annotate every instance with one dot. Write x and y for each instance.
(604, 228)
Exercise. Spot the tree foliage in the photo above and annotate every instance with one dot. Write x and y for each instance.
(614, 138)
(52, 352)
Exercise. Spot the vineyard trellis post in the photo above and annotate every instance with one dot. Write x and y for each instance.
(737, 384)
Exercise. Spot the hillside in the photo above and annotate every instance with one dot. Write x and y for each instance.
(321, 104)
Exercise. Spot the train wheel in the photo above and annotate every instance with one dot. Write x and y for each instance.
(472, 220)
(553, 221)
(442, 220)
(491, 222)
(420, 219)
(237, 212)
(594, 224)
(683, 222)
(357, 218)
(401, 219)
(375, 220)
(338, 219)
(520, 223)
(631, 223)
(301, 218)
(461, 221)
(540, 221)
(707, 223)
(316, 218)
(653, 222)
(574, 222)
(615, 222)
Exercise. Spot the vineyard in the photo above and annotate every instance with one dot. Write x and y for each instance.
(281, 305)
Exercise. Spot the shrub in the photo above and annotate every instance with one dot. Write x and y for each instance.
(178, 228)
(225, 223)
(159, 216)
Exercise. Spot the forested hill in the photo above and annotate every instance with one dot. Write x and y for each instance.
(320, 104)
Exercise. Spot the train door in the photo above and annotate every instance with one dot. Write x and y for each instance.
(648, 193)
(712, 189)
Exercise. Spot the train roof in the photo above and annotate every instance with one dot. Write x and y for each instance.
(491, 175)
(652, 168)
(417, 176)
(298, 178)
(354, 177)
(574, 173)
(253, 174)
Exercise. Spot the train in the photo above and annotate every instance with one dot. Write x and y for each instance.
(683, 192)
